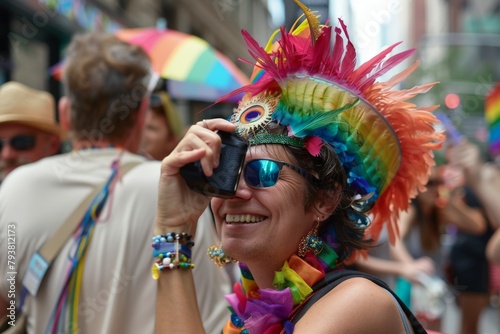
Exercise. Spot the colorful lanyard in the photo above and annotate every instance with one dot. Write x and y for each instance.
(64, 317)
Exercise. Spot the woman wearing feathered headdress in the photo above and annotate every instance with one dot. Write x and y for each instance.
(327, 145)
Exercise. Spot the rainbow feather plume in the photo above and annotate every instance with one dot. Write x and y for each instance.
(384, 142)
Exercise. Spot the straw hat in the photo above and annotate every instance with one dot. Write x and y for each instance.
(24, 105)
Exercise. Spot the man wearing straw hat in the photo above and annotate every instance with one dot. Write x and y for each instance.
(28, 130)
(96, 283)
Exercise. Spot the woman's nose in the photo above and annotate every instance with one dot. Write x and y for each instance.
(243, 191)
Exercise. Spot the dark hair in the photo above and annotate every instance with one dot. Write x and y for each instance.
(105, 80)
(340, 230)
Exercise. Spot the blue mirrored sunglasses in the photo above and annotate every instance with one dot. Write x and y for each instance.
(264, 173)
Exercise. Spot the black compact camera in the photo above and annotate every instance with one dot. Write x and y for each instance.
(225, 177)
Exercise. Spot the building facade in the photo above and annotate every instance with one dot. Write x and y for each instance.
(35, 33)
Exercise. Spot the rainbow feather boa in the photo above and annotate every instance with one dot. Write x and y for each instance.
(267, 311)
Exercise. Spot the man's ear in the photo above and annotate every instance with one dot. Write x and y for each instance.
(65, 113)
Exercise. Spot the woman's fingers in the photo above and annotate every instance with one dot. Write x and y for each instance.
(194, 147)
(200, 137)
(177, 204)
(217, 124)
(174, 163)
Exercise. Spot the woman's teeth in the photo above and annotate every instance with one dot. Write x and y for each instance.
(245, 219)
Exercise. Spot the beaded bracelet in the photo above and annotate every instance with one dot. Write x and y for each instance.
(172, 259)
(169, 248)
(182, 238)
(171, 251)
(168, 258)
(155, 270)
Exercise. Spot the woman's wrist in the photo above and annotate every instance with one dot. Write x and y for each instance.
(161, 230)
(161, 227)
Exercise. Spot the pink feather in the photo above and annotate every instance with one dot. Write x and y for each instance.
(384, 67)
(349, 61)
(313, 145)
(337, 53)
(366, 68)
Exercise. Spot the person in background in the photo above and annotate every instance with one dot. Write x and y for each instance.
(491, 175)
(493, 248)
(163, 127)
(470, 208)
(423, 229)
(491, 185)
(100, 282)
(389, 262)
(401, 265)
(482, 181)
(327, 145)
(422, 226)
(488, 176)
(28, 128)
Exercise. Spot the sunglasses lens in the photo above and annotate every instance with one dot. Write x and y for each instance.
(261, 173)
(23, 143)
(434, 183)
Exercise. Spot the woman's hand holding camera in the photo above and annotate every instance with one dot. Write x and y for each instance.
(178, 205)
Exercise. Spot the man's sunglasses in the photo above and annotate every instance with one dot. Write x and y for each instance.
(264, 173)
(434, 183)
(19, 143)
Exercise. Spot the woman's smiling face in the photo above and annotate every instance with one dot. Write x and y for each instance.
(265, 223)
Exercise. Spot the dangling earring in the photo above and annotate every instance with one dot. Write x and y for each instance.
(311, 242)
(217, 255)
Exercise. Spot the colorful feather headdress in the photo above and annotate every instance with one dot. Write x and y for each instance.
(316, 96)
(493, 119)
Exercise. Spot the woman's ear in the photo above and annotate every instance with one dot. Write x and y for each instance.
(327, 203)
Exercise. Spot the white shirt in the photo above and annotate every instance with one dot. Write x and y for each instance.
(118, 294)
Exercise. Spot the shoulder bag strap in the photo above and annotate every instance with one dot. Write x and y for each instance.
(53, 245)
(41, 260)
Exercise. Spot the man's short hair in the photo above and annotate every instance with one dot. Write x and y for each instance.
(105, 80)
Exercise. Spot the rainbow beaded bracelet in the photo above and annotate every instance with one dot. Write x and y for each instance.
(171, 251)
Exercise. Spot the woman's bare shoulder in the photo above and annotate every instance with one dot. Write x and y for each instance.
(356, 305)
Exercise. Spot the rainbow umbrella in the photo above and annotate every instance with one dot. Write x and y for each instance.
(492, 115)
(193, 68)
